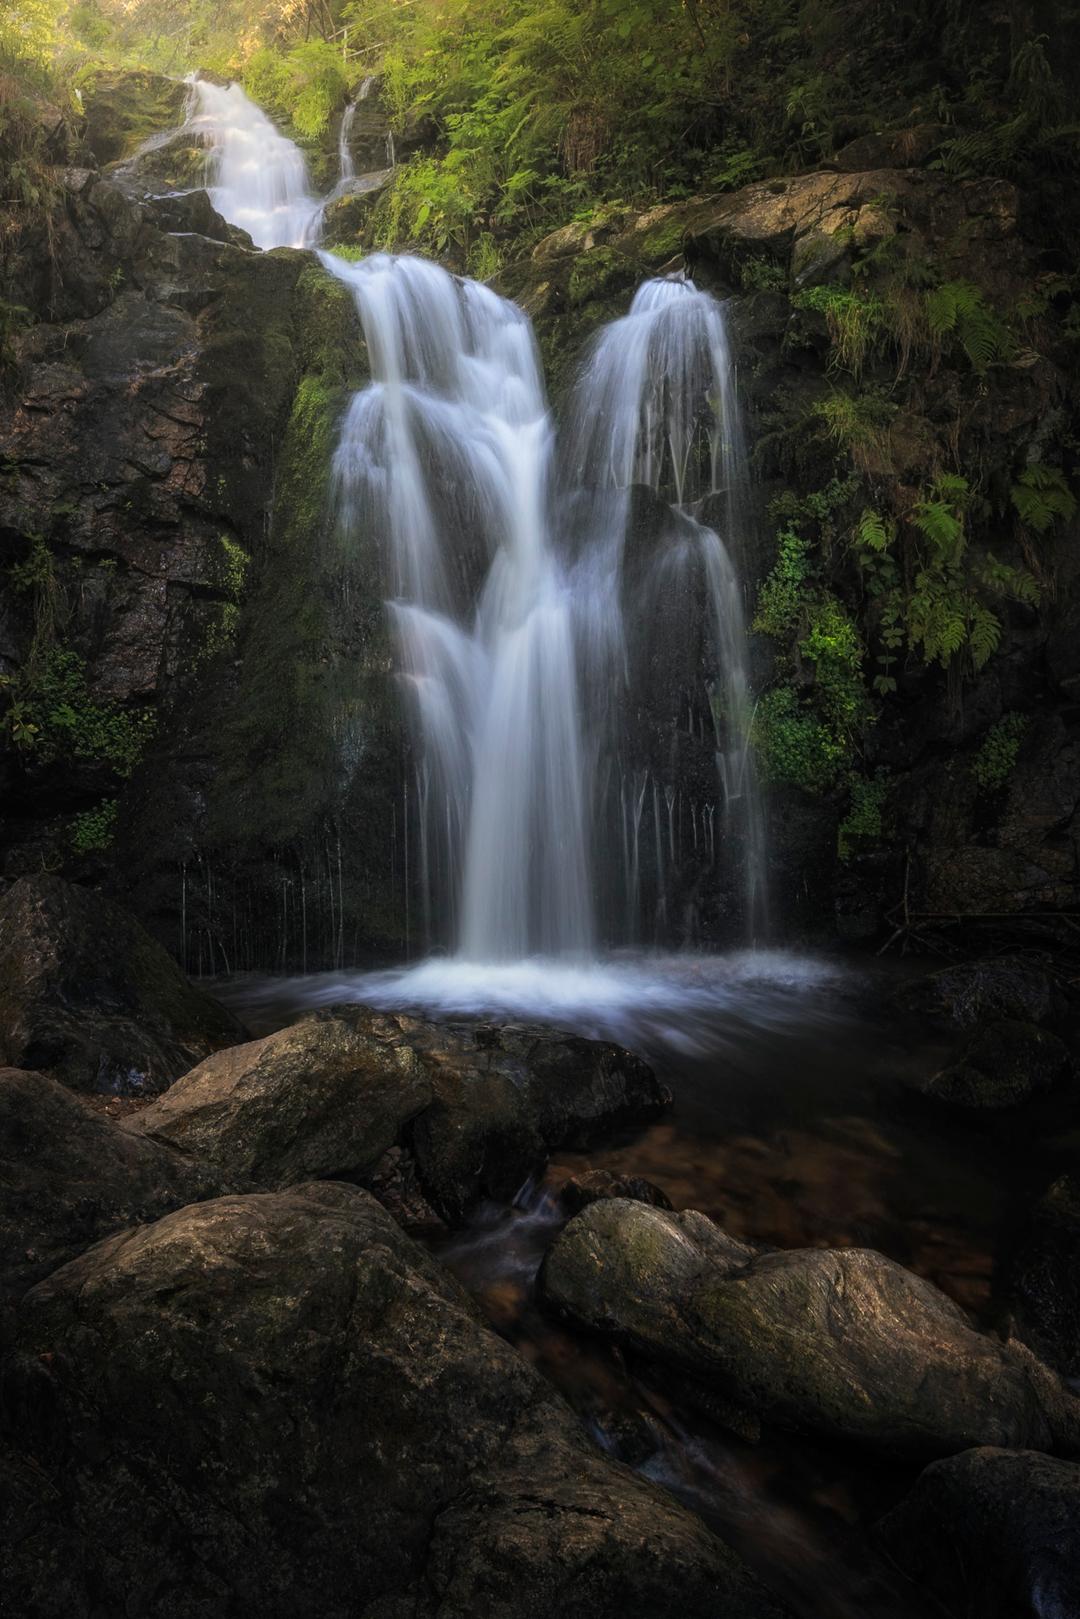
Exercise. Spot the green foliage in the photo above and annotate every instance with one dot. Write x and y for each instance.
(762, 275)
(855, 321)
(70, 724)
(301, 87)
(780, 597)
(857, 424)
(229, 572)
(864, 825)
(1042, 497)
(942, 602)
(794, 747)
(831, 645)
(996, 759)
(958, 310)
(92, 831)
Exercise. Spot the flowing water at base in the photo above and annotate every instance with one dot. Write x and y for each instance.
(794, 1123)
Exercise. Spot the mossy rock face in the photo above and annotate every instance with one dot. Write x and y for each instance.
(843, 1343)
(125, 106)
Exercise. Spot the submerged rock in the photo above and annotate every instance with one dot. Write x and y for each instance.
(994, 1533)
(69, 1176)
(86, 993)
(843, 1343)
(476, 1107)
(305, 1417)
(1044, 1277)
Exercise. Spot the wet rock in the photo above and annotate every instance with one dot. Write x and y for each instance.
(86, 993)
(843, 1343)
(69, 1176)
(477, 1107)
(1044, 1277)
(1004, 1063)
(125, 106)
(993, 1532)
(326, 1097)
(969, 993)
(506, 1095)
(579, 1191)
(292, 1410)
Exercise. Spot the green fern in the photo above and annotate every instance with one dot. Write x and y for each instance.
(1042, 497)
(957, 309)
(873, 533)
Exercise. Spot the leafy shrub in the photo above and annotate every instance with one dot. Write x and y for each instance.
(864, 824)
(780, 596)
(996, 759)
(855, 322)
(793, 746)
(301, 87)
(91, 831)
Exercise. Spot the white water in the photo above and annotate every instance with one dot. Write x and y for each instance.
(655, 405)
(346, 166)
(527, 633)
(449, 451)
(258, 178)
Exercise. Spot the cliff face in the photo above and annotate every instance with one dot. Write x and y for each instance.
(174, 649)
(201, 710)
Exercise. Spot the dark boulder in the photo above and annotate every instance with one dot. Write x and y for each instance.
(842, 1343)
(477, 1107)
(506, 1095)
(86, 993)
(278, 1404)
(1004, 1063)
(591, 1185)
(993, 1533)
(326, 1098)
(1044, 1277)
(69, 1176)
(968, 993)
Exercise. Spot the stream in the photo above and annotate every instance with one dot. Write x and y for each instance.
(793, 1124)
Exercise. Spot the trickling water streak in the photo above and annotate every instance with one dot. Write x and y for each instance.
(346, 166)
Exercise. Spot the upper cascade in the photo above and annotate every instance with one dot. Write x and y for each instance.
(258, 177)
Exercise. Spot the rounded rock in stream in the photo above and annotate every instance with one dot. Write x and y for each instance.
(842, 1343)
(279, 1405)
(476, 1106)
(994, 1533)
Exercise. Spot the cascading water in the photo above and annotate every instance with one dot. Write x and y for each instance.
(451, 447)
(534, 624)
(655, 406)
(258, 178)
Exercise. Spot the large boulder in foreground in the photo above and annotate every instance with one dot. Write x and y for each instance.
(279, 1405)
(994, 1533)
(843, 1343)
(69, 1176)
(87, 994)
(476, 1107)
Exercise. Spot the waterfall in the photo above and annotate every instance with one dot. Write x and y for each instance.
(575, 665)
(448, 455)
(655, 405)
(258, 178)
(346, 166)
